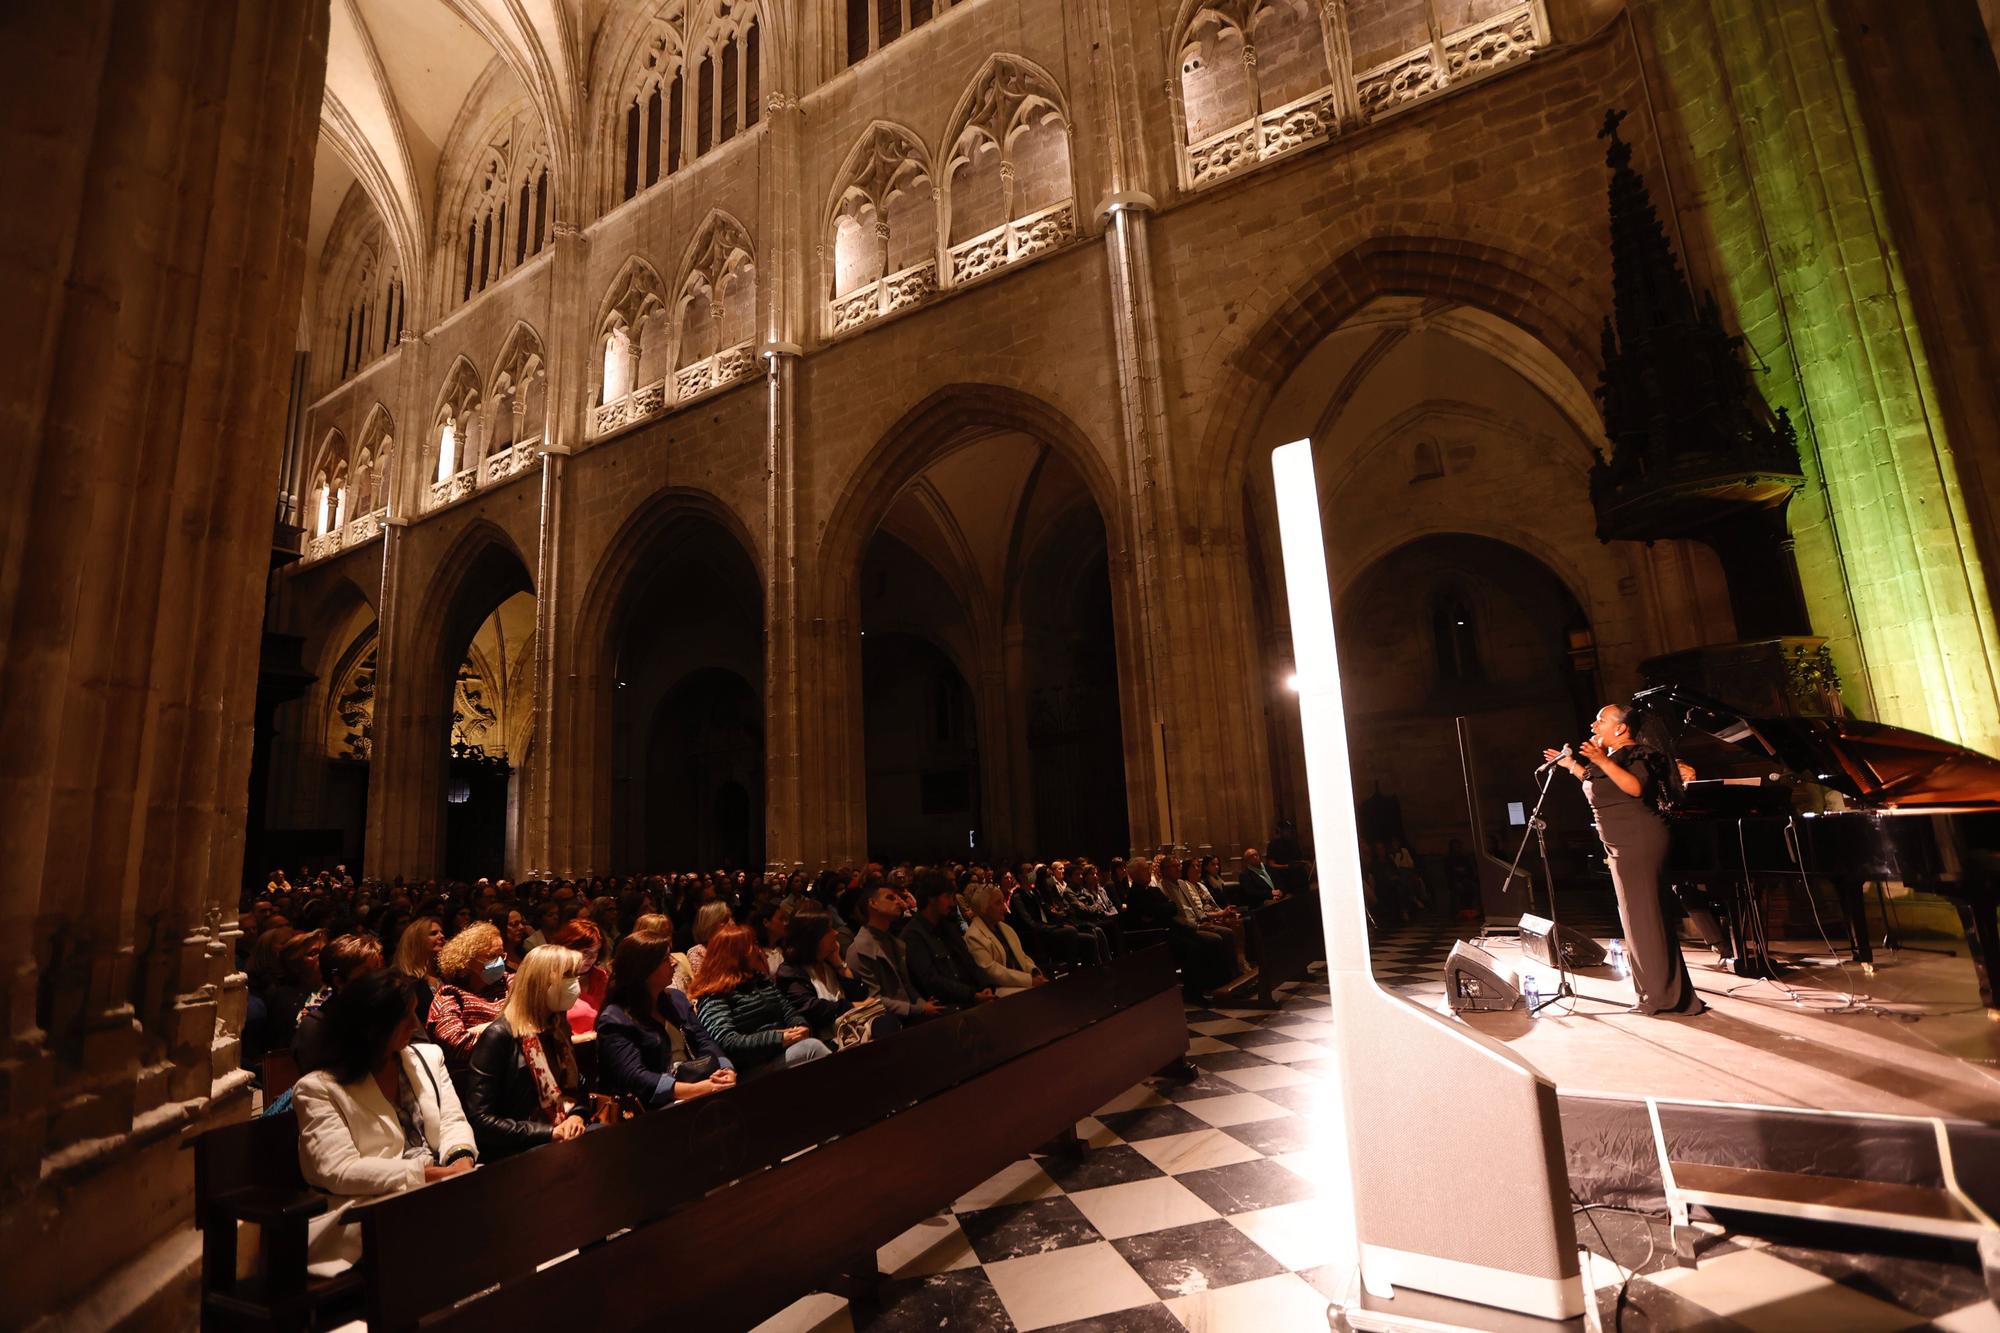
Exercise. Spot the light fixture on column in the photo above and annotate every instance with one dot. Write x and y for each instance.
(1475, 1207)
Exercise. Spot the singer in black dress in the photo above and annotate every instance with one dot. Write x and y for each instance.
(1620, 779)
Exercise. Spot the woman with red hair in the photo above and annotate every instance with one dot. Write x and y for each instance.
(587, 938)
(744, 1010)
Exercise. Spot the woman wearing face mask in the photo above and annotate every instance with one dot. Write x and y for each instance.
(526, 1089)
(583, 936)
(474, 966)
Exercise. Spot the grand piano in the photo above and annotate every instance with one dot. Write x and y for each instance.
(1837, 799)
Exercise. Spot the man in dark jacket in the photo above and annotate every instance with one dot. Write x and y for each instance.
(879, 959)
(941, 967)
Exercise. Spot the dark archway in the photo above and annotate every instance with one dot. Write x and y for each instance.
(704, 759)
(686, 712)
(1453, 625)
(477, 711)
(923, 751)
(992, 701)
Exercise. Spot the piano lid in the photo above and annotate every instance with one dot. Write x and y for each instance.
(1871, 763)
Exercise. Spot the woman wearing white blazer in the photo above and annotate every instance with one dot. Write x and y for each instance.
(380, 1118)
(994, 945)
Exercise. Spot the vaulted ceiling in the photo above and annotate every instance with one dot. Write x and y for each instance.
(399, 75)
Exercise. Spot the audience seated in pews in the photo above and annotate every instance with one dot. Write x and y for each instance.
(474, 966)
(652, 1047)
(996, 949)
(743, 1008)
(584, 936)
(878, 958)
(339, 963)
(816, 979)
(525, 1087)
(380, 1117)
(283, 973)
(940, 966)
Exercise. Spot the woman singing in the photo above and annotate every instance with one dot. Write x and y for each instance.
(1620, 781)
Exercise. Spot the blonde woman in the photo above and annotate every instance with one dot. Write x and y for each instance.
(473, 964)
(417, 956)
(526, 1089)
(662, 925)
(711, 918)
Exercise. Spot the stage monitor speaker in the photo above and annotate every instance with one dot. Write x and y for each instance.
(1539, 937)
(1475, 979)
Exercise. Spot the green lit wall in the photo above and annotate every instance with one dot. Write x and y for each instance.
(1786, 209)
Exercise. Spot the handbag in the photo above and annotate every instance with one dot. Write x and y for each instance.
(857, 1025)
(696, 1069)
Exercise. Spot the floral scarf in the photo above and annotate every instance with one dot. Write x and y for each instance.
(551, 1076)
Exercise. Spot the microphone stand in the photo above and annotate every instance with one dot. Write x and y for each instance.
(1538, 829)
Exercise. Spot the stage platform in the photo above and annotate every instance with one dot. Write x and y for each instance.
(1827, 1069)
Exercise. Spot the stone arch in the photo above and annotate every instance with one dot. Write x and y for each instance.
(715, 307)
(481, 569)
(674, 519)
(518, 391)
(375, 469)
(328, 497)
(456, 437)
(880, 228)
(934, 427)
(1008, 171)
(632, 339)
(1444, 265)
(966, 417)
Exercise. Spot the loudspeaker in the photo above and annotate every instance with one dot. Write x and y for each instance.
(1475, 979)
(1538, 941)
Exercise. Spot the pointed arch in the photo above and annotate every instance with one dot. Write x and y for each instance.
(631, 348)
(519, 398)
(1009, 185)
(457, 435)
(715, 307)
(881, 228)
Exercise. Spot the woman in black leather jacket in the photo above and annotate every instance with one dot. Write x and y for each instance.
(525, 1088)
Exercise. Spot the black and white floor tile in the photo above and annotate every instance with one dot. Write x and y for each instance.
(1192, 1207)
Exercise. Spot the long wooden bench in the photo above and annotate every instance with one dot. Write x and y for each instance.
(722, 1211)
(1283, 938)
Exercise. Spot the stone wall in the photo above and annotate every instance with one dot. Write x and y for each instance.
(157, 276)
(1150, 351)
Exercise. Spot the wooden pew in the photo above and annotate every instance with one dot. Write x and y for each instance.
(1017, 1072)
(249, 1172)
(1282, 938)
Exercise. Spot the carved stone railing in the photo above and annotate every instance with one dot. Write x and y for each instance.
(651, 400)
(726, 367)
(897, 291)
(348, 535)
(989, 251)
(1468, 53)
(1311, 118)
(452, 488)
(517, 457)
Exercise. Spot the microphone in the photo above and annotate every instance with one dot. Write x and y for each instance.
(1553, 762)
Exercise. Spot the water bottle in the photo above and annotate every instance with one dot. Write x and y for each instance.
(1531, 991)
(1618, 957)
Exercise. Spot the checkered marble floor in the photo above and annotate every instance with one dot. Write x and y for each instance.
(1193, 1207)
(1409, 961)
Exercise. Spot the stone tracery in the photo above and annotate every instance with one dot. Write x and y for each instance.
(1009, 190)
(884, 229)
